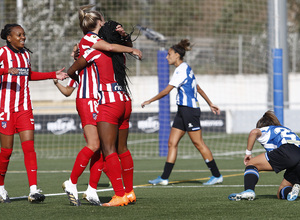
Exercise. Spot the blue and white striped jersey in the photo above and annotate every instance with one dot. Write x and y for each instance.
(185, 82)
(274, 136)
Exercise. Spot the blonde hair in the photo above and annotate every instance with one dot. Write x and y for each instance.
(88, 19)
(269, 118)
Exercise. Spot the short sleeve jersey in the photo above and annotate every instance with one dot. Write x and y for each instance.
(184, 80)
(72, 83)
(274, 136)
(88, 77)
(14, 89)
(109, 90)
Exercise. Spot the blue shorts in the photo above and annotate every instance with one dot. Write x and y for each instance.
(187, 119)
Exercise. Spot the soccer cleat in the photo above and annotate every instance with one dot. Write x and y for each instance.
(71, 192)
(36, 196)
(4, 196)
(293, 195)
(117, 201)
(131, 196)
(214, 180)
(249, 194)
(91, 197)
(159, 181)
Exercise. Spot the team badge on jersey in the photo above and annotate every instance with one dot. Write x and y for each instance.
(95, 116)
(4, 124)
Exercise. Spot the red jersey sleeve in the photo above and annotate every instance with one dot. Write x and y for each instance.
(34, 76)
(3, 71)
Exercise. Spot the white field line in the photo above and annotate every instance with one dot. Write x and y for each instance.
(147, 187)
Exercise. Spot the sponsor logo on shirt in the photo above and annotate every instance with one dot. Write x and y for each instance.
(22, 72)
(116, 87)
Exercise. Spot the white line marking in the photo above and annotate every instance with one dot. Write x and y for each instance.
(150, 186)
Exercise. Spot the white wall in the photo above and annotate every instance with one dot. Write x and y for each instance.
(244, 97)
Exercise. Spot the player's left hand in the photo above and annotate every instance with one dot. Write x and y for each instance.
(215, 109)
(61, 75)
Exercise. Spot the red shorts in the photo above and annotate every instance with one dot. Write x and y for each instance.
(88, 111)
(115, 113)
(15, 122)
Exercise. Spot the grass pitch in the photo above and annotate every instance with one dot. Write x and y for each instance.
(184, 198)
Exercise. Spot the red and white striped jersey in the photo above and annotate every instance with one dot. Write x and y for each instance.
(88, 77)
(14, 90)
(72, 83)
(109, 90)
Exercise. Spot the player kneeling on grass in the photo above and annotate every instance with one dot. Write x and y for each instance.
(283, 152)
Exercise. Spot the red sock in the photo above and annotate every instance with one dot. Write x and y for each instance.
(80, 164)
(114, 173)
(4, 160)
(127, 170)
(30, 161)
(96, 167)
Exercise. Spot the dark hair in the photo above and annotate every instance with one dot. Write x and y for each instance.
(109, 34)
(182, 47)
(5, 32)
(269, 118)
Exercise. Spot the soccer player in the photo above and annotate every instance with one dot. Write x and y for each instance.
(187, 118)
(87, 102)
(16, 108)
(282, 153)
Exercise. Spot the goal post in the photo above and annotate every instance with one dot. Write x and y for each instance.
(164, 103)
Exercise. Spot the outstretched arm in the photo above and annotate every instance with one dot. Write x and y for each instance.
(34, 76)
(160, 95)
(215, 109)
(65, 90)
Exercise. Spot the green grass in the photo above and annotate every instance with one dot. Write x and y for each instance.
(184, 198)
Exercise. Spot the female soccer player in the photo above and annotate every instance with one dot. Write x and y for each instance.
(188, 114)
(87, 101)
(282, 152)
(16, 108)
(113, 122)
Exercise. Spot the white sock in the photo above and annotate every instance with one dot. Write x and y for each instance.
(91, 189)
(33, 188)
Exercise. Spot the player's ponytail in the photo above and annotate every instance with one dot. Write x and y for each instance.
(183, 46)
(268, 119)
(109, 34)
(88, 19)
